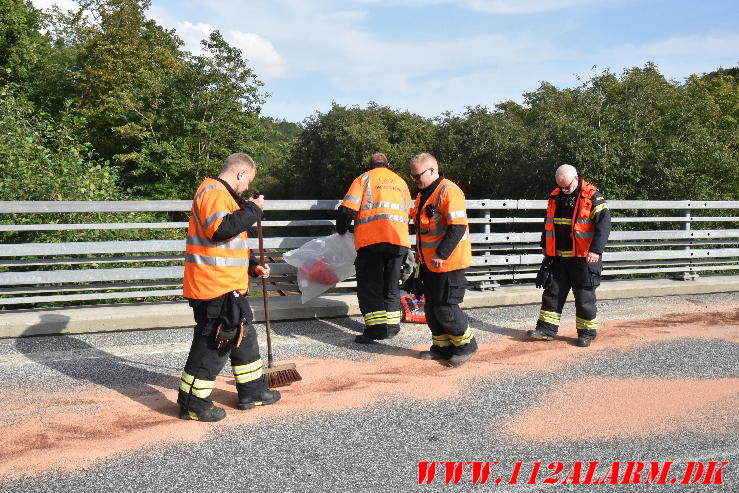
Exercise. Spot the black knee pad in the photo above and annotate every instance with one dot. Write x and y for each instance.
(445, 315)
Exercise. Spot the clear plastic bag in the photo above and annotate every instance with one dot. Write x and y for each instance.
(322, 263)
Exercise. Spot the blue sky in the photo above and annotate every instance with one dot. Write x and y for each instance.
(431, 56)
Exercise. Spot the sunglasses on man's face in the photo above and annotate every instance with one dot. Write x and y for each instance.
(419, 175)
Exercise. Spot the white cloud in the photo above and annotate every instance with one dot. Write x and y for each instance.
(192, 34)
(262, 56)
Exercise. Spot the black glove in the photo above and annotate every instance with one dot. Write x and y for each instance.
(544, 277)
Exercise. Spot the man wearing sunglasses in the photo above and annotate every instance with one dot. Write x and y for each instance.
(377, 201)
(444, 252)
(575, 233)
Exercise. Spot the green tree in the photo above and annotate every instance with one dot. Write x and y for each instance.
(486, 152)
(22, 47)
(214, 111)
(334, 147)
(44, 160)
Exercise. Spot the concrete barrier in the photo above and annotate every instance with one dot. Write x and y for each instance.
(141, 316)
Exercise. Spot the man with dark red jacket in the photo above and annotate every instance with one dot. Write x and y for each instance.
(575, 233)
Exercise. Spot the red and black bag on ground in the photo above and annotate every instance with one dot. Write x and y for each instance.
(413, 309)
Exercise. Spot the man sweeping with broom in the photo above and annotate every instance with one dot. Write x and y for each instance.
(217, 263)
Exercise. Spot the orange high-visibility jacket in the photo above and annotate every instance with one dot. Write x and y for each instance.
(213, 268)
(583, 227)
(448, 208)
(381, 199)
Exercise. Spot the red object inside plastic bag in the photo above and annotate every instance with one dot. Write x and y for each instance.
(320, 273)
(413, 309)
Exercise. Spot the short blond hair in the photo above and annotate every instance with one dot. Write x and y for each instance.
(237, 161)
(424, 156)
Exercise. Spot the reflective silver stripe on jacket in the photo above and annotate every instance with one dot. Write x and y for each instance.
(434, 244)
(440, 228)
(438, 197)
(235, 243)
(367, 188)
(213, 218)
(388, 205)
(456, 214)
(583, 234)
(216, 261)
(209, 187)
(584, 221)
(391, 217)
(352, 198)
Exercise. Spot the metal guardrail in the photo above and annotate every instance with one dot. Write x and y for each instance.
(668, 238)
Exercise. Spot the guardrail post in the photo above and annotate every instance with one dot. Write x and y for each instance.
(688, 274)
(485, 285)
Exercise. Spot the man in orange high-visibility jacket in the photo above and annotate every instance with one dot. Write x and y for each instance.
(575, 233)
(217, 266)
(377, 201)
(444, 252)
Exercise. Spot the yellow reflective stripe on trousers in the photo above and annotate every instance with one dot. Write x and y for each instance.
(376, 318)
(198, 388)
(442, 340)
(247, 373)
(565, 253)
(582, 324)
(393, 318)
(549, 317)
(463, 339)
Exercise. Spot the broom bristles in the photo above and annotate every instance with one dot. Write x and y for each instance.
(281, 375)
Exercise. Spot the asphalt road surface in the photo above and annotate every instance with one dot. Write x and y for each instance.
(657, 392)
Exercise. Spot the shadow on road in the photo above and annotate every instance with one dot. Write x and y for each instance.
(328, 333)
(83, 362)
(515, 334)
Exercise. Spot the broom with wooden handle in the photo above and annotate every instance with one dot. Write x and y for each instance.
(275, 375)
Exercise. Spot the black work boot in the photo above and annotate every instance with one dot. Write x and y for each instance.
(392, 331)
(463, 353)
(373, 333)
(540, 335)
(263, 398)
(364, 339)
(585, 337)
(210, 415)
(437, 353)
(584, 341)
